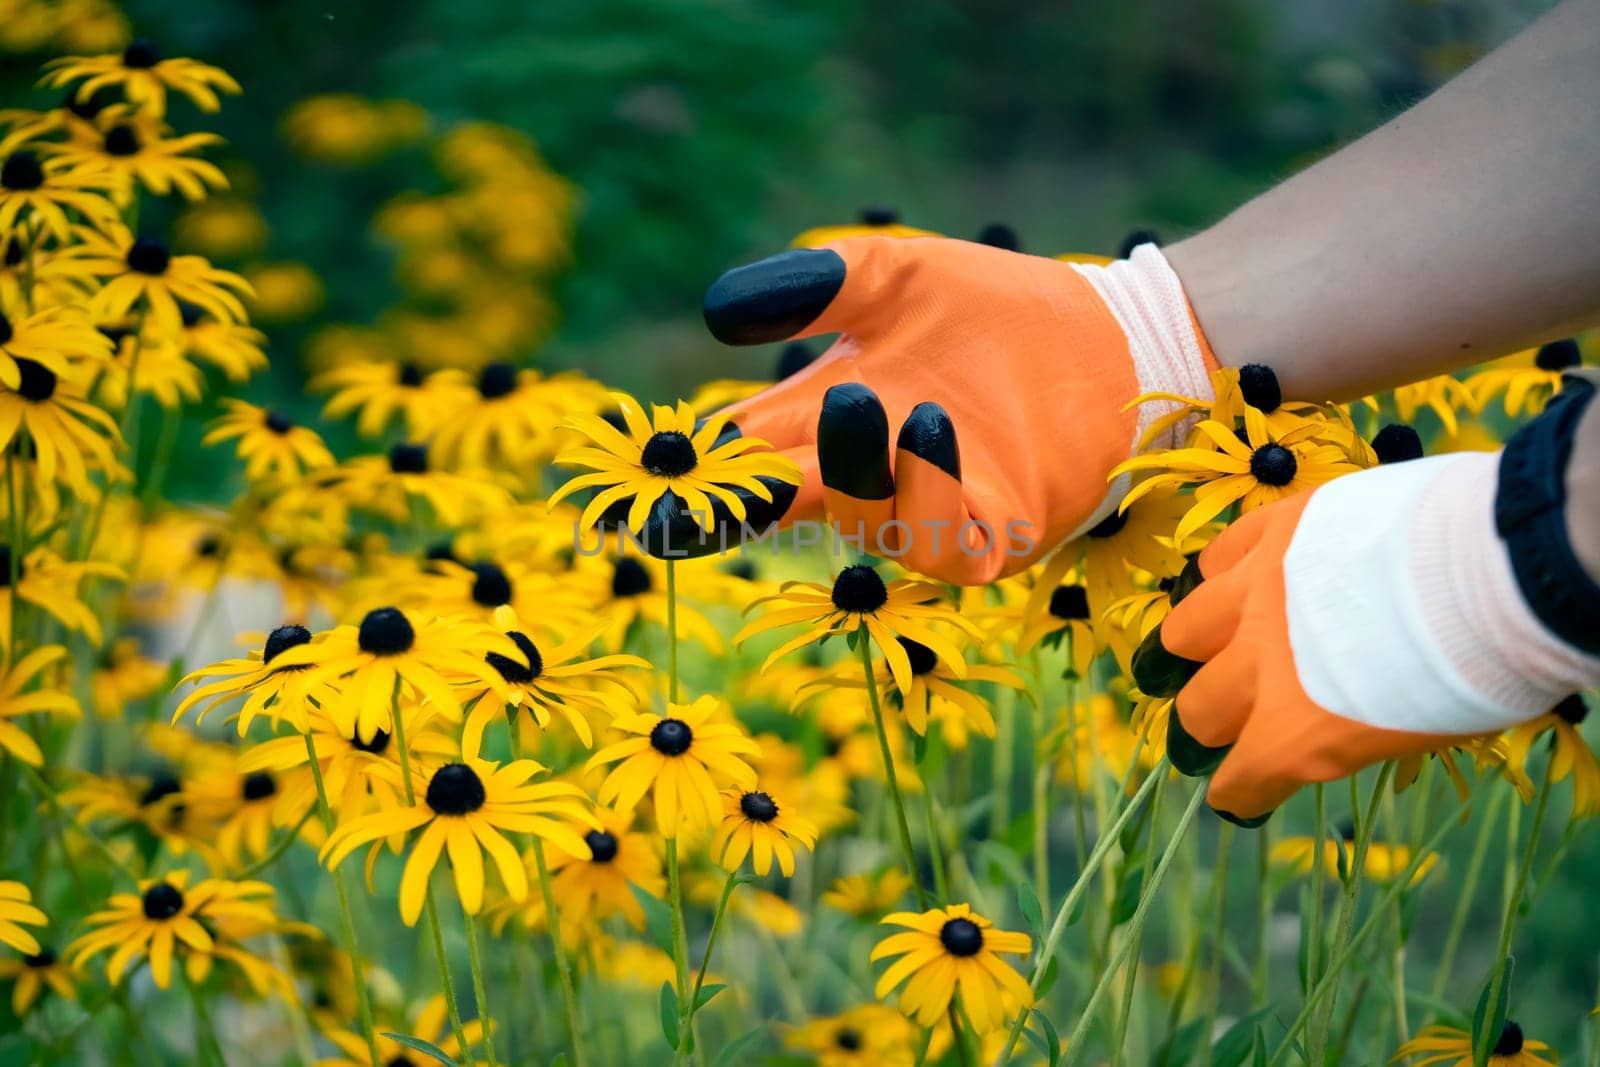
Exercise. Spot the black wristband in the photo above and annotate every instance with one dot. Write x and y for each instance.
(1530, 517)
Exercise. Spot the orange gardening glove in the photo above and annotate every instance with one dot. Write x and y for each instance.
(1387, 613)
(1031, 362)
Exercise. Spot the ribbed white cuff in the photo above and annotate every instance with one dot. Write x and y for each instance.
(1147, 299)
(1472, 604)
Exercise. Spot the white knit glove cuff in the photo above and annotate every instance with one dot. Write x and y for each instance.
(1403, 610)
(1147, 300)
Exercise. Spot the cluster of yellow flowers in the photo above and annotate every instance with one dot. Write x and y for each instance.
(447, 661)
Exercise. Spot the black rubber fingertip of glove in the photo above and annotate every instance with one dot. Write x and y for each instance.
(1248, 824)
(853, 443)
(1157, 671)
(999, 235)
(1187, 755)
(773, 298)
(929, 435)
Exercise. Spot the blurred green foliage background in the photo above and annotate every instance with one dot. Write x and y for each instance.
(702, 133)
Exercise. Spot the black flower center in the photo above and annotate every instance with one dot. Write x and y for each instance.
(282, 639)
(512, 671)
(671, 737)
(859, 589)
(408, 459)
(629, 579)
(848, 1039)
(386, 632)
(1558, 355)
(43, 958)
(376, 744)
(1259, 387)
(442, 550)
(6, 332)
(1109, 526)
(1571, 710)
(455, 789)
(497, 380)
(21, 172)
(490, 586)
(1273, 465)
(961, 937)
(668, 455)
(401, 1060)
(5, 567)
(208, 546)
(148, 257)
(162, 902)
(921, 656)
(161, 786)
(758, 806)
(1070, 602)
(278, 422)
(1510, 1042)
(259, 786)
(141, 55)
(410, 375)
(602, 845)
(1396, 443)
(122, 141)
(38, 382)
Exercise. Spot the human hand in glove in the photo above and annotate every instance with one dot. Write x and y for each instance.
(967, 417)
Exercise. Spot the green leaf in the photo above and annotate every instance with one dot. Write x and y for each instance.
(993, 856)
(1182, 1046)
(427, 1048)
(560, 1060)
(1038, 1041)
(1258, 1047)
(1487, 1023)
(706, 993)
(730, 1053)
(1051, 972)
(1128, 897)
(657, 917)
(919, 747)
(1233, 1047)
(1028, 904)
(669, 1013)
(1054, 1049)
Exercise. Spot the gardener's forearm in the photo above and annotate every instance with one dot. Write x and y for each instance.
(1466, 228)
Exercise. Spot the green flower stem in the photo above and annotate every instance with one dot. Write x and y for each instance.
(1005, 758)
(1318, 1044)
(1075, 1043)
(941, 886)
(347, 922)
(428, 904)
(1508, 922)
(1342, 954)
(1219, 929)
(1260, 992)
(672, 631)
(277, 850)
(1319, 835)
(711, 941)
(1131, 982)
(908, 854)
(205, 1030)
(478, 991)
(1063, 916)
(680, 948)
(569, 995)
(1469, 887)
